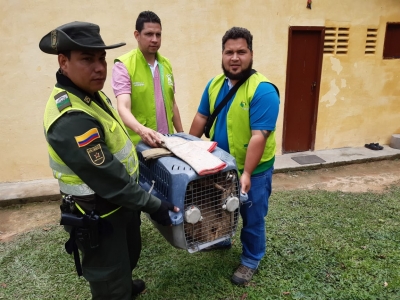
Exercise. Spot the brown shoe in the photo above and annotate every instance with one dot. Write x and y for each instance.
(243, 275)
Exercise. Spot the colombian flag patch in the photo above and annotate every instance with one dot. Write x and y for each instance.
(87, 137)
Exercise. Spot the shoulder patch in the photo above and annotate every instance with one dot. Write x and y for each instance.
(88, 137)
(96, 155)
(62, 100)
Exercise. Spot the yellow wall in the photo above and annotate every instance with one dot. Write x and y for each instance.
(358, 104)
(360, 94)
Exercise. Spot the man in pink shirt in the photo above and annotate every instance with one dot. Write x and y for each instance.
(144, 86)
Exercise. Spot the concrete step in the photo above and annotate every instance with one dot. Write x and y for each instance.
(395, 141)
(12, 193)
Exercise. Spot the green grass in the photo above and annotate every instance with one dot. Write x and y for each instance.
(321, 245)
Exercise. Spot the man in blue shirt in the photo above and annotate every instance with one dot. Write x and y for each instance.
(245, 128)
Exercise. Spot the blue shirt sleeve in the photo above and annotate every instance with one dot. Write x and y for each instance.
(204, 106)
(264, 108)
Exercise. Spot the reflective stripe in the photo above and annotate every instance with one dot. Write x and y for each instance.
(80, 189)
(75, 189)
(102, 216)
(120, 155)
(60, 168)
(80, 208)
(125, 151)
(111, 212)
(135, 176)
(65, 170)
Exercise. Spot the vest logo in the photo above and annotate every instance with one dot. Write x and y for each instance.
(170, 80)
(136, 83)
(243, 105)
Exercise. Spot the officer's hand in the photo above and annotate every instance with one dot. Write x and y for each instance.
(161, 216)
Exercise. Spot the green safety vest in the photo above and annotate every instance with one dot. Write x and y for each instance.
(143, 102)
(238, 120)
(116, 138)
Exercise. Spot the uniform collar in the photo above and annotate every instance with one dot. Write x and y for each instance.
(65, 83)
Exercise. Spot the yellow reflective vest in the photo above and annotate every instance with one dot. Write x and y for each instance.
(238, 120)
(143, 102)
(116, 138)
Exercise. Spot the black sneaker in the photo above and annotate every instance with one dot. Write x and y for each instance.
(224, 245)
(138, 286)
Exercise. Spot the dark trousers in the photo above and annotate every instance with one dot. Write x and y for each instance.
(108, 269)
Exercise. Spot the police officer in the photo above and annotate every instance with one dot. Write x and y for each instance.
(95, 163)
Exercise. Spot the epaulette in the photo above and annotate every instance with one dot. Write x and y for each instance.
(62, 100)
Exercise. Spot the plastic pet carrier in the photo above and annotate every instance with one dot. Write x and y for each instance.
(209, 204)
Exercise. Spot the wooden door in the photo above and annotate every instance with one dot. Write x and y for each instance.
(303, 75)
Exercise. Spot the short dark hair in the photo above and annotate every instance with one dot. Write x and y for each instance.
(66, 53)
(237, 33)
(146, 17)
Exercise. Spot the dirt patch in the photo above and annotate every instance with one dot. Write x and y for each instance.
(373, 176)
(23, 218)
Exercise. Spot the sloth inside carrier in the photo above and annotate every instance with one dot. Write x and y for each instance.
(211, 208)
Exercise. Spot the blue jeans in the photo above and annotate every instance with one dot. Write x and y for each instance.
(253, 212)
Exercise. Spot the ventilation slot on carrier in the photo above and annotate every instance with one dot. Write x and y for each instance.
(159, 174)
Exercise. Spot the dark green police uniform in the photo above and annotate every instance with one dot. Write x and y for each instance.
(109, 267)
(95, 163)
